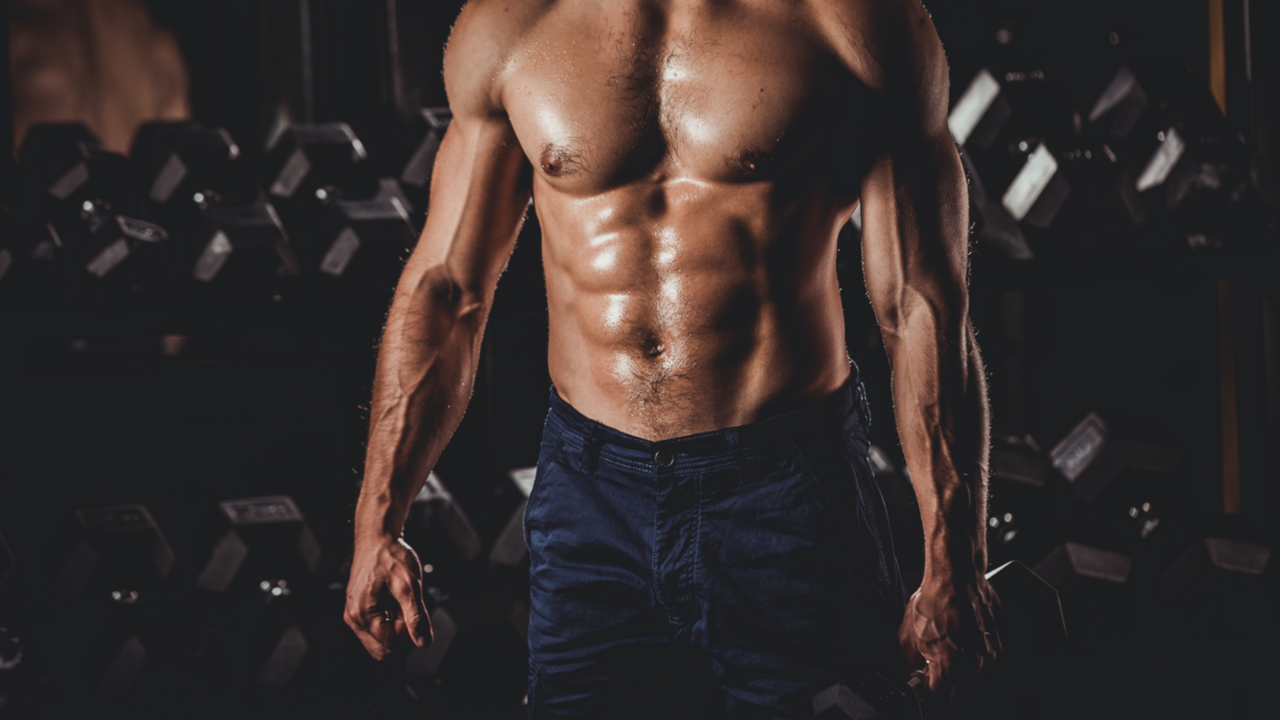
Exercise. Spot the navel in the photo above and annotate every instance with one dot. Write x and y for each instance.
(653, 348)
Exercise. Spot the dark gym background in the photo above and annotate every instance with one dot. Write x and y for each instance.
(275, 401)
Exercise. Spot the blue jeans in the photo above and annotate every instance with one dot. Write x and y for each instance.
(729, 573)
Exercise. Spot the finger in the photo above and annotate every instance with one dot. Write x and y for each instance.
(360, 624)
(360, 621)
(413, 612)
(384, 627)
(938, 670)
(910, 651)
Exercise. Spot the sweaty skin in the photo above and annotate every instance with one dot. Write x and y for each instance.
(691, 163)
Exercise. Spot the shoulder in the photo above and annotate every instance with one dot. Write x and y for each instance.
(480, 44)
(893, 48)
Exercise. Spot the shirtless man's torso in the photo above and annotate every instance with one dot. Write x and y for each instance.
(691, 163)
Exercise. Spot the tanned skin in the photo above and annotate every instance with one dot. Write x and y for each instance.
(104, 63)
(691, 163)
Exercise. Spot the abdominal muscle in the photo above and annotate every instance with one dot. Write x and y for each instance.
(680, 306)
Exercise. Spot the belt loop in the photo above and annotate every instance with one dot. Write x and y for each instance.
(746, 471)
(590, 446)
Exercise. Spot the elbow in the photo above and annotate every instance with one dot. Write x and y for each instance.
(448, 296)
(940, 310)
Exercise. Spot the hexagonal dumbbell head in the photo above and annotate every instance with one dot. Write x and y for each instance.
(366, 240)
(124, 258)
(117, 549)
(267, 541)
(1219, 582)
(440, 532)
(868, 694)
(68, 166)
(478, 639)
(241, 247)
(179, 167)
(310, 161)
(510, 550)
(1092, 456)
(427, 132)
(1093, 584)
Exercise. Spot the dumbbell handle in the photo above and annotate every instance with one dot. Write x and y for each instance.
(918, 681)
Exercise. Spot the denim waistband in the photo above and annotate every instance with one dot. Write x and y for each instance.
(845, 409)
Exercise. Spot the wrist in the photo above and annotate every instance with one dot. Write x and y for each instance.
(955, 556)
(373, 531)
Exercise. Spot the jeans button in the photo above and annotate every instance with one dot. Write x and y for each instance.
(665, 458)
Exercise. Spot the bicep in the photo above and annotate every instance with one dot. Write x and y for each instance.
(480, 183)
(479, 194)
(915, 231)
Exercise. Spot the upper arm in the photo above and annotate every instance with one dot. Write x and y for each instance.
(480, 184)
(914, 201)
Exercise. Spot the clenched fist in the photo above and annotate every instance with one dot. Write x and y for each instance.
(952, 628)
(384, 596)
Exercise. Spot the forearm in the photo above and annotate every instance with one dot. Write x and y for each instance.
(940, 402)
(426, 371)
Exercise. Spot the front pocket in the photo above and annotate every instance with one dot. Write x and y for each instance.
(826, 475)
(544, 471)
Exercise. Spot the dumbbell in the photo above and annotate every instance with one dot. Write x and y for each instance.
(28, 250)
(1031, 630)
(1095, 589)
(509, 549)
(265, 549)
(276, 645)
(1020, 519)
(992, 222)
(344, 222)
(426, 131)
(1094, 454)
(116, 551)
(306, 166)
(180, 167)
(1220, 583)
(439, 531)
(480, 643)
(228, 236)
(240, 251)
(1191, 168)
(33, 273)
(364, 242)
(82, 190)
(106, 645)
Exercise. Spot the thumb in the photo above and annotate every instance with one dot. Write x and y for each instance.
(907, 641)
(414, 612)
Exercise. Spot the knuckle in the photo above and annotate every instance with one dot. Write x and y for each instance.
(398, 584)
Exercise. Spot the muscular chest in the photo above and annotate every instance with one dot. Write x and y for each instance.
(606, 99)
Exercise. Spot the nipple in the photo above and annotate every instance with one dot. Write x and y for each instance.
(552, 163)
(756, 162)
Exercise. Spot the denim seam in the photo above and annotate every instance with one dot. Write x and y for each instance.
(697, 540)
(657, 543)
(552, 457)
(815, 483)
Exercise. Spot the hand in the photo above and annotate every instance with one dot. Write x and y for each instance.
(952, 627)
(384, 597)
